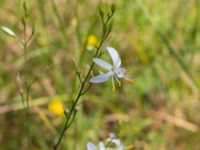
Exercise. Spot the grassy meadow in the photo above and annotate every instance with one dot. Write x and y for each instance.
(46, 45)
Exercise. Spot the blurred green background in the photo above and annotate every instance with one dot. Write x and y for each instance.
(158, 42)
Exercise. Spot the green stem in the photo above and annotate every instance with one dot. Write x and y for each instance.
(80, 93)
(61, 26)
(72, 113)
(25, 97)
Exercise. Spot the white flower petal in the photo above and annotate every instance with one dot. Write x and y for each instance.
(101, 78)
(102, 63)
(8, 31)
(112, 136)
(101, 146)
(121, 147)
(120, 72)
(115, 56)
(100, 72)
(116, 141)
(91, 146)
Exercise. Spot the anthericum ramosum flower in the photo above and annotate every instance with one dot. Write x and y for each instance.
(115, 71)
(91, 146)
(112, 138)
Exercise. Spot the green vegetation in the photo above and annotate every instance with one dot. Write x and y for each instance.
(46, 45)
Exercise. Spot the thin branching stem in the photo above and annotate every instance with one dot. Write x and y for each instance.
(73, 111)
(80, 93)
(25, 93)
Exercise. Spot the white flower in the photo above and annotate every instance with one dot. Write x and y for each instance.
(113, 141)
(117, 141)
(114, 70)
(91, 146)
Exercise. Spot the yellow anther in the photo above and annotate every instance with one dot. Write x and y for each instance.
(113, 88)
(119, 83)
(131, 81)
(110, 36)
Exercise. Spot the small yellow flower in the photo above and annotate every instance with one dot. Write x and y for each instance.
(56, 107)
(92, 40)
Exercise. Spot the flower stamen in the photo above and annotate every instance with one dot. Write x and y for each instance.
(117, 80)
(115, 71)
(130, 81)
(113, 84)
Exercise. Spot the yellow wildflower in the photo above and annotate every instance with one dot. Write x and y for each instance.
(92, 40)
(56, 107)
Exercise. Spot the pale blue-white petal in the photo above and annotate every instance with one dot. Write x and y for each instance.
(100, 72)
(115, 56)
(102, 63)
(112, 136)
(116, 141)
(120, 72)
(121, 147)
(101, 78)
(91, 146)
(8, 31)
(118, 144)
(101, 146)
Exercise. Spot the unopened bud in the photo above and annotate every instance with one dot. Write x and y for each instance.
(113, 8)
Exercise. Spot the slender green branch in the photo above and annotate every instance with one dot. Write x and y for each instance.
(67, 124)
(26, 86)
(26, 89)
(87, 89)
(72, 113)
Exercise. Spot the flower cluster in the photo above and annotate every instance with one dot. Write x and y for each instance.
(112, 143)
(115, 71)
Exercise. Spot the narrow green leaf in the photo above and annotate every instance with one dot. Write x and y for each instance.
(101, 13)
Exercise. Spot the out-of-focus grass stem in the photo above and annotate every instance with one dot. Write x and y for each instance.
(81, 49)
(91, 27)
(42, 11)
(61, 25)
(26, 92)
(170, 48)
(195, 29)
